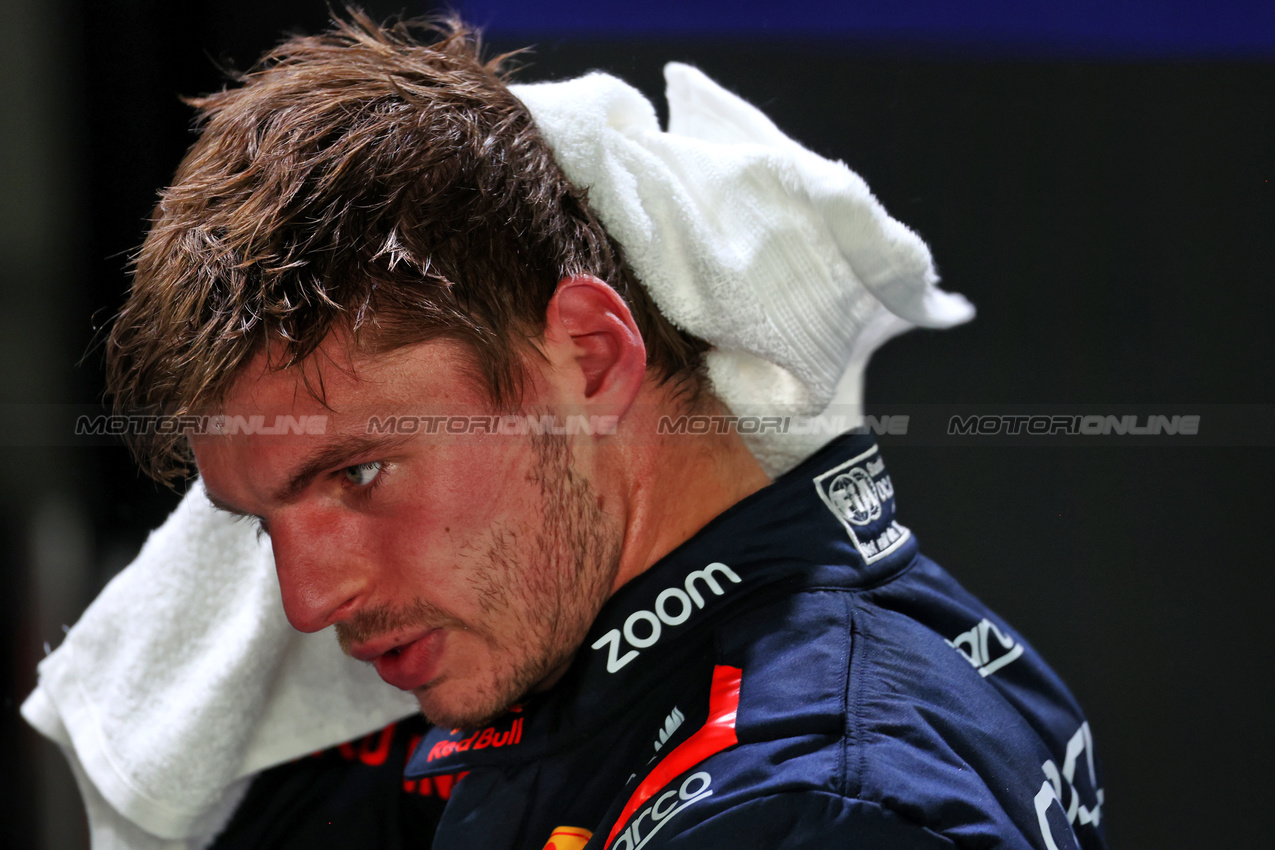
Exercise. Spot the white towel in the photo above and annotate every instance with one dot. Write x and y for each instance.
(782, 259)
(183, 678)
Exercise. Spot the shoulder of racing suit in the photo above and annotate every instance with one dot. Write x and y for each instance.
(798, 655)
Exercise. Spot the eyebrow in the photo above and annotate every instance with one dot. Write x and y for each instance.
(335, 453)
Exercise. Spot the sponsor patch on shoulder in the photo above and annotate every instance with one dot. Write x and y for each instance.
(861, 497)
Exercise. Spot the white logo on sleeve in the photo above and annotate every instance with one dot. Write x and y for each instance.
(986, 656)
(1056, 782)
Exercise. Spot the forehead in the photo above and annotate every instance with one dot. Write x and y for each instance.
(334, 395)
(338, 379)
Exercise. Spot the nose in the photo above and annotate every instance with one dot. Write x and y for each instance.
(322, 579)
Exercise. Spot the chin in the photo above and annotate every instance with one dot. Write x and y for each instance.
(470, 703)
(445, 707)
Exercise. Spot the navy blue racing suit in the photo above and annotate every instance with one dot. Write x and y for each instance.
(795, 675)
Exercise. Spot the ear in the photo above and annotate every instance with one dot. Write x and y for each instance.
(593, 342)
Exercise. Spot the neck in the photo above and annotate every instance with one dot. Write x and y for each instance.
(674, 485)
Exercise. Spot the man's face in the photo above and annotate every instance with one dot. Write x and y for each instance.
(467, 569)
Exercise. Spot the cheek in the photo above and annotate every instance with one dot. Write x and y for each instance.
(480, 482)
(446, 515)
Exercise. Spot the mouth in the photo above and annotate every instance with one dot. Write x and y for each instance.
(405, 664)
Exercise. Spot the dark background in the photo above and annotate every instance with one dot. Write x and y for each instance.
(1096, 180)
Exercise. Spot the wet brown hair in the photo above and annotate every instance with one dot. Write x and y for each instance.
(361, 180)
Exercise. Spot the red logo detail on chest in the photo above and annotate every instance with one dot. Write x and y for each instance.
(481, 739)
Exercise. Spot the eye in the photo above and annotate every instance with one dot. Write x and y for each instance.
(363, 474)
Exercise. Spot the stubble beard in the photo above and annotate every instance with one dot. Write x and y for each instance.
(553, 589)
(548, 583)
